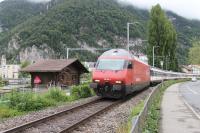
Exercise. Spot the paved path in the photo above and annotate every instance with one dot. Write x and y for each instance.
(191, 93)
(176, 117)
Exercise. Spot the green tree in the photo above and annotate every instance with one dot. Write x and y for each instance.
(162, 36)
(23, 65)
(194, 53)
(2, 83)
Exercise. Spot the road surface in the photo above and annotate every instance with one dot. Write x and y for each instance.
(177, 116)
(191, 94)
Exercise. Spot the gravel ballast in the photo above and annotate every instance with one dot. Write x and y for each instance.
(107, 122)
(18, 120)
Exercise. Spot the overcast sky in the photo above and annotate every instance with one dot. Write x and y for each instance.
(34, 0)
(185, 8)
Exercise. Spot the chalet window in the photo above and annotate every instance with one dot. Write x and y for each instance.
(63, 77)
(74, 79)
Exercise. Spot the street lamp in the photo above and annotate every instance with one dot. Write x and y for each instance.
(68, 53)
(161, 63)
(128, 25)
(154, 54)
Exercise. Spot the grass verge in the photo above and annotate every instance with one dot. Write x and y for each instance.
(153, 116)
(152, 120)
(18, 103)
(126, 127)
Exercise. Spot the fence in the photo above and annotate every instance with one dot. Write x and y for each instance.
(140, 119)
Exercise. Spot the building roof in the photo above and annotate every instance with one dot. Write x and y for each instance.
(54, 65)
(187, 67)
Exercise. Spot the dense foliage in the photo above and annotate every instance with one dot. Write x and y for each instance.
(23, 65)
(17, 103)
(187, 31)
(27, 101)
(76, 21)
(194, 53)
(163, 39)
(82, 91)
(2, 83)
(14, 12)
(71, 22)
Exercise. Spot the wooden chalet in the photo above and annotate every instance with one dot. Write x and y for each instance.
(59, 72)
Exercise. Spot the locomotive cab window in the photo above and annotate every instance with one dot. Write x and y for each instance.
(130, 65)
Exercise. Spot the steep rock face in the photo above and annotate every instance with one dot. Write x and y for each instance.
(1, 28)
(88, 24)
(136, 45)
(76, 24)
(34, 53)
(14, 44)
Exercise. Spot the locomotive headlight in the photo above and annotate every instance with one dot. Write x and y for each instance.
(97, 80)
(118, 82)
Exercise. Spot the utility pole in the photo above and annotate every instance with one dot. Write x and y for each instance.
(128, 26)
(154, 54)
(128, 36)
(67, 53)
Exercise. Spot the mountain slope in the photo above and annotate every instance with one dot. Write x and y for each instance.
(187, 31)
(88, 24)
(14, 12)
(73, 23)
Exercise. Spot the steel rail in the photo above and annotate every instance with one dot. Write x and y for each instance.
(44, 119)
(75, 125)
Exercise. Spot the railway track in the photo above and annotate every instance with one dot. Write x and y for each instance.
(67, 120)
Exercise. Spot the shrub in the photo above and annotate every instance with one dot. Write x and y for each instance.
(81, 91)
(28, 101)
(85, 91)
(14, 98)
(46, 102)
(56, 94)
(75, 92)
(19, 102)
(2, 82)
(6, 112)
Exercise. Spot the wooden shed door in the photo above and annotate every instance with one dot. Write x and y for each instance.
(65, 78)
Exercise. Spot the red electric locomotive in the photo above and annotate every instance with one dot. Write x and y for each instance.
(118, 73)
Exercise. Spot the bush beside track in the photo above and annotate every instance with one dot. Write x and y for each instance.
(146, 115)
(18, 103)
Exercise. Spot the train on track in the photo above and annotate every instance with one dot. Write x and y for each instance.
(118, 73)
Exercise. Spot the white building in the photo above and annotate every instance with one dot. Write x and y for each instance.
(89, 65)
(143, 58)
(8, 71)
(195, 69)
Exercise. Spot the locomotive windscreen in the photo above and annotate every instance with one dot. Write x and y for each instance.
(110, 64)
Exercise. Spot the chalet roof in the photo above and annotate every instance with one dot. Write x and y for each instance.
(54, 65)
